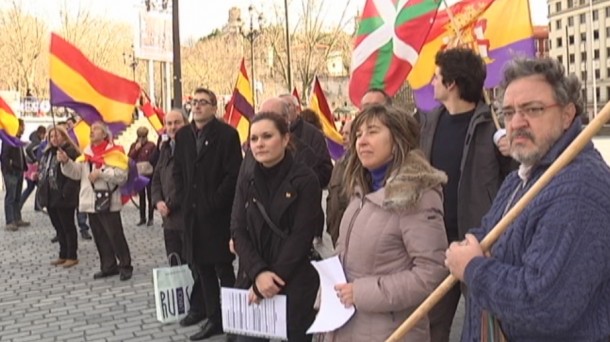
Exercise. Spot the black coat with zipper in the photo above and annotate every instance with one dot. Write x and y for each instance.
(295, 208)
(482, 168)
(205, 187)
(67, 191)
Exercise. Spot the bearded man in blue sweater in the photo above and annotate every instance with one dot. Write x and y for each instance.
(548, 276)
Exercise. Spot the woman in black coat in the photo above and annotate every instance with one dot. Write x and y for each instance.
(60, 195)
(273, 256)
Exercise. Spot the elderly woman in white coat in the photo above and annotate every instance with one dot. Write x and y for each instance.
(97, 174)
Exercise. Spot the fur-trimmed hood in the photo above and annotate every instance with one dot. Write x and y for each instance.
(404, 189)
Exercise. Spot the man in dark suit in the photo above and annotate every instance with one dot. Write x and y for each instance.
(207, 158)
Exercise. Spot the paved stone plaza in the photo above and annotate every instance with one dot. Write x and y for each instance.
(40, 302)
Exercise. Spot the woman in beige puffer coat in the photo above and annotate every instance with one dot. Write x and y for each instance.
(392, 237)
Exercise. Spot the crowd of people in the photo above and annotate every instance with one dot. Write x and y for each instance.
(407, 205)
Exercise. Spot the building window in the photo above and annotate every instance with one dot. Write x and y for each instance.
(559, 42)
(595, 34)
(571, 40)
(608, 74)
(560, 59)
(583, 76)
(595, 15)
(582, 18)
(570, 3)
(581, 2)
(558, 6)
(570, 21)
(596, 54)
(597, 74)
(583, 56)
(583, 37)
(607, 93)
(572, 58)
(608, 54)
(558, 24)
(597, 93)
(607, 12)
(608, 31)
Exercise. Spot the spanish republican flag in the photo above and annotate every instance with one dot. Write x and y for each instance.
(9, 125)
(95, 94)
(481, 26)
(154, 114)
(80, 134)
(240, 109)
(319, 104)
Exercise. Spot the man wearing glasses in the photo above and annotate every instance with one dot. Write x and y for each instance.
(207, 158)
(457, 137)
(548, 276)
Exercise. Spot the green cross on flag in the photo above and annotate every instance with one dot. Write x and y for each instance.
(390, 35)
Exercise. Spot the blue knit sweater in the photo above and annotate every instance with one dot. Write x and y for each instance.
(548, 278)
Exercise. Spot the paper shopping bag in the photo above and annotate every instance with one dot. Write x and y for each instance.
(173, 287)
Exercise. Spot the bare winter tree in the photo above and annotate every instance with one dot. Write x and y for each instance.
(311, 43)
(22, 47)
(101, 40)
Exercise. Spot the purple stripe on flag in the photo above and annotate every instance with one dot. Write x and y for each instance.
(335, 150)
(500, 56)
(424, 97)
(242, 105)
(10, 140)
(135, 182)
(87, 112)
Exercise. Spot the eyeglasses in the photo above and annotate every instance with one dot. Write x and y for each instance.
(529, 111)
(202, 102)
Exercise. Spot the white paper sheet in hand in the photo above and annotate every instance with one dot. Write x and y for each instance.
(332, 315)
(265, 320)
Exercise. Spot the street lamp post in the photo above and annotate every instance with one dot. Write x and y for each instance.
(251, 33)
(130, 60)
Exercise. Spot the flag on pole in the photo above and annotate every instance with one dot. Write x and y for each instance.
(239, 109)
(390, 36)
(95, 94)
(482, 26)
(80, 134)
(9, 125)
(295, 93)
(154, 114)
(319, 104)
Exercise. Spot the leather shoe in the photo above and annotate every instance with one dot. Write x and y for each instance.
(85, 235)
(102, 274)
(58, 262)
(70, 262)
(191, 319)
(55, 239)
(208, 329)
(149, 223)
(125, 275)
(141, 223)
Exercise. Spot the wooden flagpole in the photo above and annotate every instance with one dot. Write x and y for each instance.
(562, 161)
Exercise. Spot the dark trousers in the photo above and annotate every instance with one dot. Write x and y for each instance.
(13, 182)
(107, 230)
(174, 242)
(81, 218)
(441, 316)
(209, 274)
(31, 185)
(63, 222)
(145, 195)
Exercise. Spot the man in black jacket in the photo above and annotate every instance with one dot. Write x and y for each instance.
(457, 138)
(312, 137)
(207, 159)
(12, 163)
